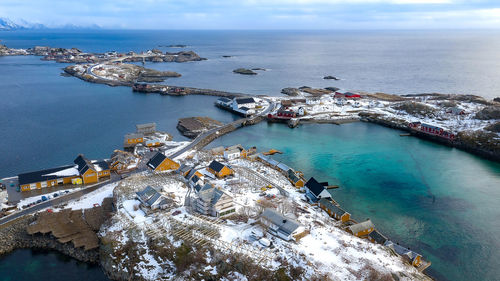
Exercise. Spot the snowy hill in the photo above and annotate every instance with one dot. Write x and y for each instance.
(7, 24)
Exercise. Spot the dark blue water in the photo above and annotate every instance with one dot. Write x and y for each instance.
(377, 61)
(46, 265)
(439, 201)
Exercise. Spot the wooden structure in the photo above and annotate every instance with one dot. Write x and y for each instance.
(219, 170)
(361, 229)
(160, 163)
(334, 210)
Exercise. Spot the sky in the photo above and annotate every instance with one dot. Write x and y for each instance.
(258, 14)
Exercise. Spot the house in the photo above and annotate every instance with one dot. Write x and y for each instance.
(361, 229)
(238, 103)
(232, 154)
(350, 95)
(200, 187)
(133, 139)
(219, 170)
(159, 163)
(193, 173)
(214, 202)
(315, 190)
(286, 103)
(455, 111)
(301, 111)
(153, 143)
(279, 225)
(377, 237)
(196, 180)
(412, 257)
(334, 210)
(152, 199)
(90, 172)
(243, 151)
(48, 177)
(148, 128)
(283, 167)
(184, 170)
(286, 113)
(295, 179)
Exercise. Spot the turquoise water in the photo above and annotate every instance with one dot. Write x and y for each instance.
(46, 265)
(437, 200)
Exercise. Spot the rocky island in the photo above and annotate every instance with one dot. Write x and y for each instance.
(245, 71)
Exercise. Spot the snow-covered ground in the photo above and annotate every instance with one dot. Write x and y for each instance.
(330, 108)
(29, 200)
(95, 197)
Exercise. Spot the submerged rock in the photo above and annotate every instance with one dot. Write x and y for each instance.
(244, 71)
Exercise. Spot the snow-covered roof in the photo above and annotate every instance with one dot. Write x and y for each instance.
(355, 228)
(285, 224)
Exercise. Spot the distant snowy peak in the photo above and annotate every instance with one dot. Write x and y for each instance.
(7, 24)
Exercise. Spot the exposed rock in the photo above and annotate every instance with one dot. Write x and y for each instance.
(290, 91)
(244, 71)
(496, 99)
(415, 108)
(329, 77)
(259, 68)
(315, 92)
(489, 112)
(191, 127)
(174, 46)
(227, 56)
(493, 127)
(333, 89)
(386, 97)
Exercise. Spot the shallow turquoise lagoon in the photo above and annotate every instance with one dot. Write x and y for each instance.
(439, 201)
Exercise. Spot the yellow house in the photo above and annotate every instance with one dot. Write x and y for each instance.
(361, 229)
(47, 178)
(333, 210)
(133, 139)
(295, 179)
(159, 163)
(219, 170)
(91, 172)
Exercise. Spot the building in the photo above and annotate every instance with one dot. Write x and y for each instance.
(301, 111)
(219, 170)
(361, 229)
(184, 170)
(201, 187)
(133, 139)
(232, 154)
(153, 143)
(238, 103)
(295, 179)
(377, 237)
(152, 199)
(195, 180)
(211, 201)
(279, 225)
(334, 210)
(412, 257)
(49, 177)
(148, 128)
(315, 190)
(91, 172)
(160, 163)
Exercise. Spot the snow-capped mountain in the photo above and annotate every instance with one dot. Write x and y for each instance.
(7, 24)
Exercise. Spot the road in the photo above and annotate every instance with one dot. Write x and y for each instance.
(236, 123)
(115, 177)
(57, 201)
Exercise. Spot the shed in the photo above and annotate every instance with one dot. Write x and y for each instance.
(279, 225)
(315, 190)
(362, 228)
(334, 210)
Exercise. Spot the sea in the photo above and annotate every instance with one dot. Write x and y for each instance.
(438, 201)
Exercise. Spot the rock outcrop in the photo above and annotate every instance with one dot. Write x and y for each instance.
(290, 91)
(191, 127)
(329, 77)
(489, 112)
(245, 71)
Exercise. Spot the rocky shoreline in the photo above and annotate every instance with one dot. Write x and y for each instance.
(14, 236)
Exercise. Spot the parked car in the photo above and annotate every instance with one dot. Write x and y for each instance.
(56, 194)
(44, 198)
(38, 201)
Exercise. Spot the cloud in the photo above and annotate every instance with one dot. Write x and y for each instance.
(257, 14)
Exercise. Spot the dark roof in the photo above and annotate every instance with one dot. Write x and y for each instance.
(102, 164)
(216, 196)
(216, 166)
(292, 176)
(334, 208)
(244, 108)
(377, 237)
(224, 100)
(314, 186)
(195, 178)
(245, 100)
(148, 196)
(38, 176)
(83, 164)
(156, 160)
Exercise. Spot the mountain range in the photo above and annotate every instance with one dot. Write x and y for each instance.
(8, 24)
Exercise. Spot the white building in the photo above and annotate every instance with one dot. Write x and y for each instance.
(243, 102)
(214, 202)
(232, 154)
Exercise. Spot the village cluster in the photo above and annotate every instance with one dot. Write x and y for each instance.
(253, 199)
